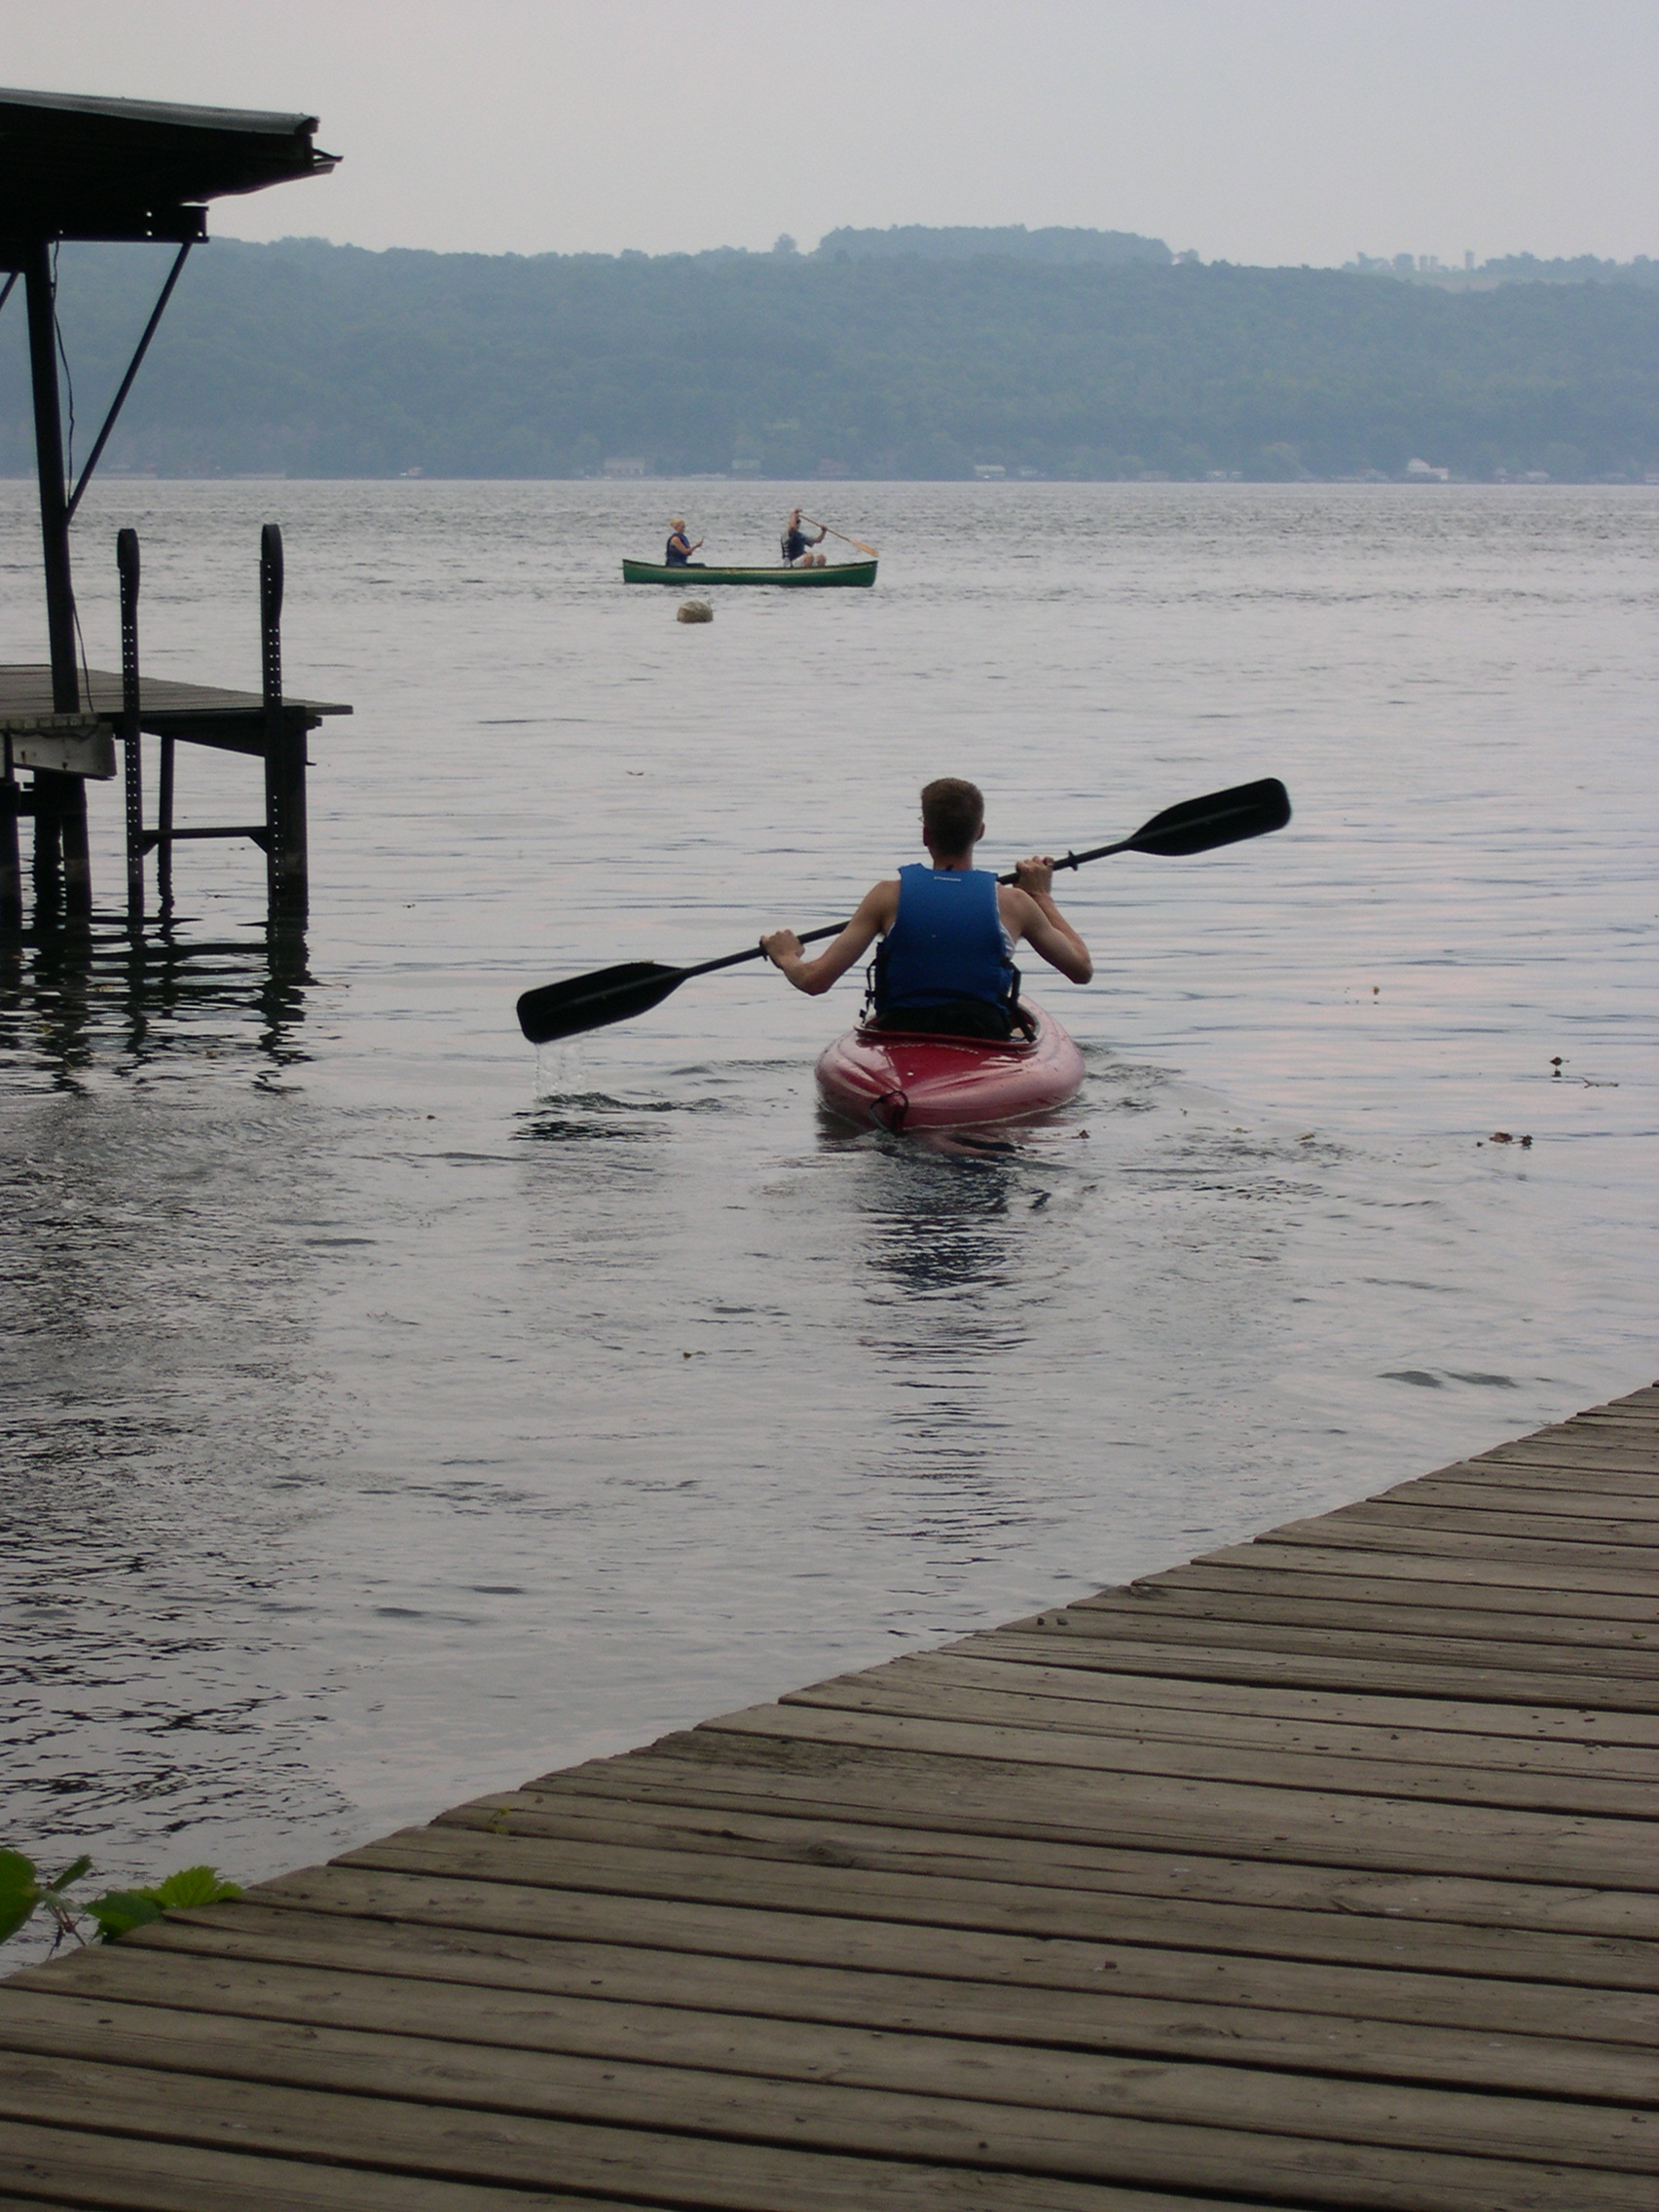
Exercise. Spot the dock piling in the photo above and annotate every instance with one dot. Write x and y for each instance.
(12, 803)
(165, 829)
(284, 748)
(61, 859)
(127, 561)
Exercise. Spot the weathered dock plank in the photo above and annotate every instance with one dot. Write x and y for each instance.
(1317, 1872)
(550, 2003)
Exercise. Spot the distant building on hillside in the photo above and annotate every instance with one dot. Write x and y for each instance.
(625, 465)
(1426, 472)
(989, 472)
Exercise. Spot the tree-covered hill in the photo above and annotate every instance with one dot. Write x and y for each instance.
(913, 241)
(328, 360)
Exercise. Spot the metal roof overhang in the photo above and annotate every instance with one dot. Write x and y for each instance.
(76, 167)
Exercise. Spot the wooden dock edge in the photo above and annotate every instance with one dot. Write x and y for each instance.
(1318, 1872)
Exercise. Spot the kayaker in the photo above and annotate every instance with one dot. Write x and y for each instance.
(948, 931)
(679, 551)
(796, 542)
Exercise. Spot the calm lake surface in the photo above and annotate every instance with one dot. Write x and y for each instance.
(389, 1415)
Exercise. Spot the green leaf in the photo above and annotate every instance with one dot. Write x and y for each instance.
(194, 1885)
(71, 1874)
(119, 1911)
(19, 1892)
(123, 1910)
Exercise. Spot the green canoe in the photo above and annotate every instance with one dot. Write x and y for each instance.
(694, 572)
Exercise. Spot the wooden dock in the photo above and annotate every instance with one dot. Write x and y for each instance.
(59, 720)
(1320, 1872)
(197, 714)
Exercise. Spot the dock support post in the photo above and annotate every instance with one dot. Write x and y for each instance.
(127, 561)
(11, 868)
(163, 830)
(60, 822)
(286, 862)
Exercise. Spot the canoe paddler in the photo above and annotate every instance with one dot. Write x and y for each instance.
(797, 543)
(680, 549)
(948, 931)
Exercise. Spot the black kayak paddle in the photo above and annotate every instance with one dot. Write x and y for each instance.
(635, 987)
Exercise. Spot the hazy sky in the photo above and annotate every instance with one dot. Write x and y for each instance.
(1264, 130)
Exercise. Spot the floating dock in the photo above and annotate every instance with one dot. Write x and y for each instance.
(1320, 1872)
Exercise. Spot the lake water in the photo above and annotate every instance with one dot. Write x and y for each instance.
(390, 1414)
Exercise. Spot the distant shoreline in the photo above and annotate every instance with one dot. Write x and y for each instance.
(309, 360)
(1532, 481)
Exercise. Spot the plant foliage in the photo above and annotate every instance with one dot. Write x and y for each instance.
(23, 1893)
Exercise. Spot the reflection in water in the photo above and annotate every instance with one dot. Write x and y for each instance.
(935, 1220)
(155, 1290)
(65, 994)
(948, 1316)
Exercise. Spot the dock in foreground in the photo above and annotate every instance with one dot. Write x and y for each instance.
(1318, 1872)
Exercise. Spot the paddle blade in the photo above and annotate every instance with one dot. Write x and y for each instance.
(591, 1002)
(1223, 818)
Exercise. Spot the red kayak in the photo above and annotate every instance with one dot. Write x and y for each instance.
(911, 1082)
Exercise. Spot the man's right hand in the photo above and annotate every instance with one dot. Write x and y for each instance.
(1035, 875)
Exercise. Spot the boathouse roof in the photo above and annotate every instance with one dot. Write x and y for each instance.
(78, 167)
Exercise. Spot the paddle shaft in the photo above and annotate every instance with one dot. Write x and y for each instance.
(731, 959)
(616, 994)
(834, 929)
(1226, 809)
(857, 542)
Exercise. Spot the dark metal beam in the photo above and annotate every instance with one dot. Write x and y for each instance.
(133, 368)
(257, 830)
(170, 225)
(61, 821)
(48, 459)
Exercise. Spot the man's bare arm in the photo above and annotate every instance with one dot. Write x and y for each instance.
(878, 911)
(1031, 913)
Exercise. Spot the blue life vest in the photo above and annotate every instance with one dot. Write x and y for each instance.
(947, 943)
(672, 557)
